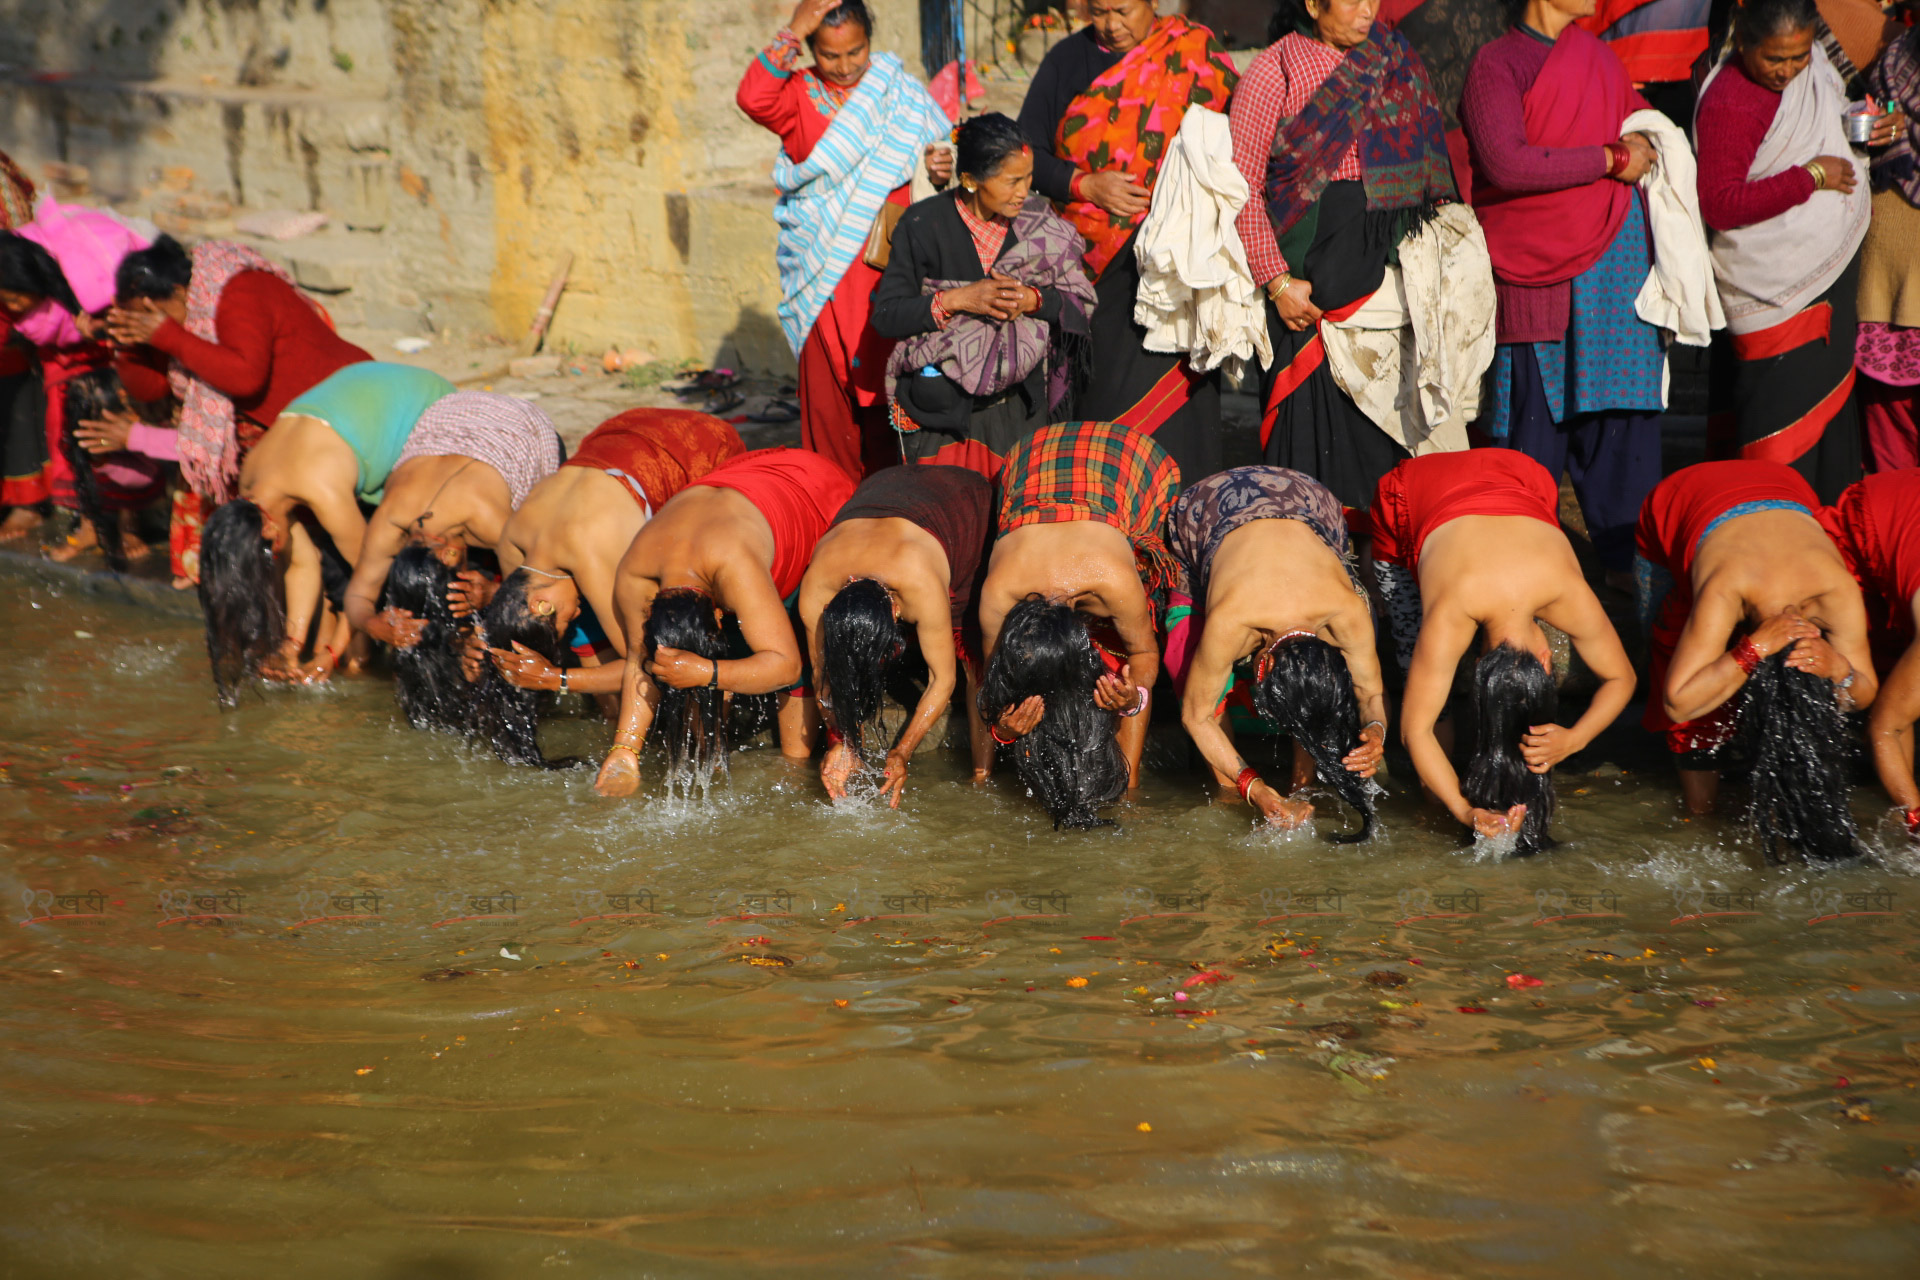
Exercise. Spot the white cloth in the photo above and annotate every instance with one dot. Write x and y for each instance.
(1679, 296)
(1771, 271)
(1414, 357)
(1196, 293)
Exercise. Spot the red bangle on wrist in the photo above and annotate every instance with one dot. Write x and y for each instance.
(834, 736)
(1747, 654)
(1913, 821)
(1244, 783)
(1073, 185)
(1618, 157)
(993, 731)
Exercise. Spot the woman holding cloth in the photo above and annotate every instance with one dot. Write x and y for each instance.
(851, 127)
(1579, 378)
(1779, 188)
(1102, 110)
(1337, 123)
(983, 287)
(1887, 354)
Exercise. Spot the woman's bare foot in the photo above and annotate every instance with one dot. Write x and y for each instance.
(619, 774)
(84, 538)
(20, 522)
(133, 547)
(184, 584)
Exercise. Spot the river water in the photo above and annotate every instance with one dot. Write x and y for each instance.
(298, 989)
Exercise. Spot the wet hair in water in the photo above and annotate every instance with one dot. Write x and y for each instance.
(1308, 695)
(155, 272)
(508, 717)
(691, 723)
(1792, 729)
(26, 267)
(1758, 21)
(239, 596)
(843, 13)
(1512, 692)
(982, 144)
(89, 396)
(1070, 761)
(859, 643)
(427, 681)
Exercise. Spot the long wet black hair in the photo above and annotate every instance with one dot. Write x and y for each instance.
(427, 681)
(1792, 729)
(1070, 761)
(1308, 695)
(27, 267)
(239, 596)
(1512, 692)
(508, 717)
(692, 722)
(91, 395)
(860, 642)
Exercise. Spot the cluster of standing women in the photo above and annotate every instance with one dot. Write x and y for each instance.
(1012, 450)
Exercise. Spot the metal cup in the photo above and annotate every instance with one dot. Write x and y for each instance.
(1860, 123)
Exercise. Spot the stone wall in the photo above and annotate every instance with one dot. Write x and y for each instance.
(459, 147)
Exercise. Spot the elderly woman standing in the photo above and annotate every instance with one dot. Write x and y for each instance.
(1337, 123)
(1778, 186)
(851, 127)
(1887, 354)
(983, 286)
(1579, 378)
(1101, 112)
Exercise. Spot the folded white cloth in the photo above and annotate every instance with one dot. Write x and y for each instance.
(1414, 357)
(1680, 295)
(1196, 293)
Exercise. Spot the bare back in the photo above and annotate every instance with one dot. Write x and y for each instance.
(578, 521)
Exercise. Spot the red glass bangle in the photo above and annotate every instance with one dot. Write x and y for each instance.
(1244, 783)
(1913, 821)
(1618, 157)
(993, 731)
(834, 736)
(1073, 185)
(1747, 654)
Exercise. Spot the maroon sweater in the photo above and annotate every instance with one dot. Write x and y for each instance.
(1732, 121)
(273, 346)
(1493, 111)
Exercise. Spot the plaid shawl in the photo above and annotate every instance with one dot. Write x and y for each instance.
(828, 201)
(986, 356)
(1895, 78)
(1103, 471)
(209, 448)
(1126, 118)
(16, 195)
(1378, 95)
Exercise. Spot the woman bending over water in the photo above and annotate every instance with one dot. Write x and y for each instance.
(735, 541)
(1467, 546)
(560, 552)
(332, 449)
(1075, 595)
(906, 551)
(1736, 549)
(1272, 573)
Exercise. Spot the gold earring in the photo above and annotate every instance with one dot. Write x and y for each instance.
(543, 608)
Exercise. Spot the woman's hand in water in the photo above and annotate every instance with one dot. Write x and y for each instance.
(680, 669)
(1018, 722)
(1546, 745)
(896, 780)
(105, 434)
(1365, 758)
(1117, 694)
(1493, 823)
(524, 669)
(1280, 811)
(396, 627)
(835, 768)
(470, 592)
(619, 774)
(1817, 657)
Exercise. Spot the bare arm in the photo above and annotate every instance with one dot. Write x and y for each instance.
(1581, 616)
(1703, 673)
(1892, 725)
(1220, 647)
(943, 672)
(1132, 616)
(383, 542)
(1444, 637)
(639, 697)
(340, 516)
(1353, 635)
(303, 588)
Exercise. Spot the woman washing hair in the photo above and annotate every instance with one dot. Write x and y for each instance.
(983, 287)
(560, 552)
(1272, 572)
(1467, 547)
(1082, 508)
(432, 691)
(332, 449)
(737, 541)
(1738, 568)
(903, 556)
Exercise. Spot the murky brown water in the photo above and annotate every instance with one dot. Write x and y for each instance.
(280, 1042)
